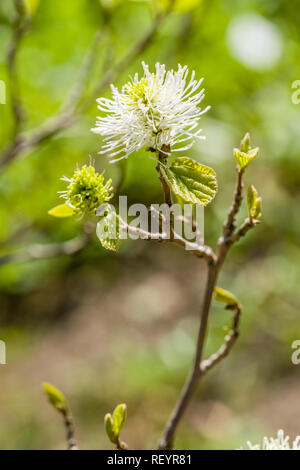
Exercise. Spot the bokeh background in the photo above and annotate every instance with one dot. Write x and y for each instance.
(109, 328)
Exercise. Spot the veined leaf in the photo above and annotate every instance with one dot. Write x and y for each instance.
(243, 159)
(56, 397)
(224, 296)
(192, 182)
(63, 210)
(107, 231)
(119, 417)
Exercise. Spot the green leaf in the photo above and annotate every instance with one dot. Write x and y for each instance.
(108, 422)
(254, 203)
(192, 182)
(257, 210)
(107, 231)
(119, 417)
(63, 210)
(243, 159)
(245, 143)
(55, 397)
(251, 199)
(224, 296)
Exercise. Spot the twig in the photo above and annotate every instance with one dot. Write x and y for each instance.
(229, 225)
(201, 251)
(213, 271)
(20, 26)
(162, 160)
(226, 347)
(69, 424)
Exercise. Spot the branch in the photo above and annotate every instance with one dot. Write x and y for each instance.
(69, 424)
(201, 251)
(20, 26)
(28, 141)
(229, 225)
(162, 160)
(224, 244)
(228, 344)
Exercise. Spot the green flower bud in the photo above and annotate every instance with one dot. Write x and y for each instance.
(87, 190)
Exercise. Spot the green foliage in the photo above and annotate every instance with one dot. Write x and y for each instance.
(107, 230)
(243, 159)
(86, 191)
(114, 423)
(224, 296)
(63, 210)
(192, 182)
(55, 397)
(253, 203)
(245, 154)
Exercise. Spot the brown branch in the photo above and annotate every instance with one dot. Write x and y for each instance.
(229, 225)
(166, 441)
(162, 158)
(228, 344)
(20, 26)
(69, 424)
(54, 125)
(201, 251)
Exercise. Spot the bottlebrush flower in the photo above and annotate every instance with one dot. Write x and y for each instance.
(161, 108)
(281, 442)
(86, 190)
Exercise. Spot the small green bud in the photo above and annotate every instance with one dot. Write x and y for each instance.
(87, 190)
(224, 296)
(245, 143)
(114, 423)
(56, 397)
(254, 203)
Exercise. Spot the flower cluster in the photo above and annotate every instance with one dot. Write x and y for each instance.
(86, 190)
(281, 442)
(160, 109)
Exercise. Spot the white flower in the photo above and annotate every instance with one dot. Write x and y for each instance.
(161, 108)
(281, 442)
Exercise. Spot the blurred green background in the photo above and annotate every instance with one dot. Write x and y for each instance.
(110, 328)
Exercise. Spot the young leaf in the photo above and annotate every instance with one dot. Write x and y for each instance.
(243, 159)
(119, 417)
(224, 296)
(63, 210)
(245, 143)
(107, 231)
(251, 199)
(108, 422)
(55, 397)
(257, 210)
(192, 182)
(254, 203)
